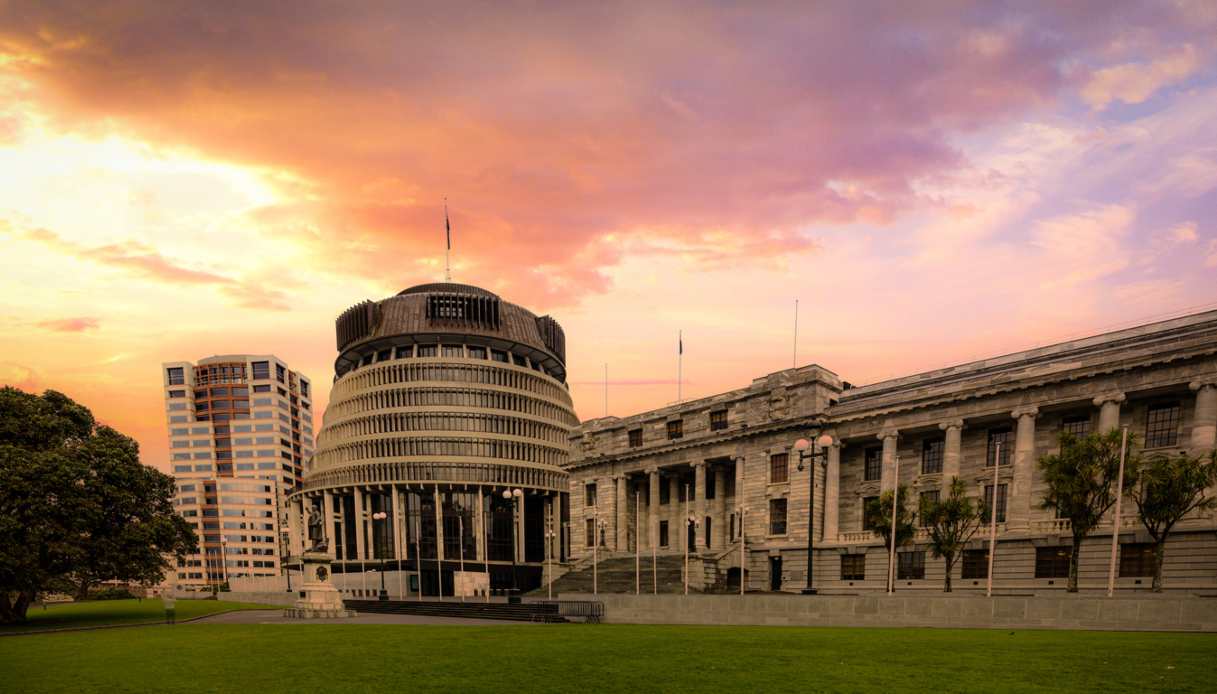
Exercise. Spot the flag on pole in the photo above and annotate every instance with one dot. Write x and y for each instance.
(447, 226)
(680, 342)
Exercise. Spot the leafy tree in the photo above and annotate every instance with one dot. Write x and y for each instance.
(75, 503)
(1166, 489)
(880, 512)
(951, 523)
(1080, 480)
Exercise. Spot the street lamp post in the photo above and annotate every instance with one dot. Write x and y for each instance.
(807, 452)
(690, 522)
(380, 552)
(517, 498)
(549, 557)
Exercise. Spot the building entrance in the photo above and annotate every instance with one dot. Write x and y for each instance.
(775, 573)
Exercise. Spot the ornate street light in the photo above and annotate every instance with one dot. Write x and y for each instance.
(380, 551)
(807, 452)
(517, 498)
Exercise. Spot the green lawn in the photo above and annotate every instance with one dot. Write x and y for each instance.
(312, 657)
(99, 612)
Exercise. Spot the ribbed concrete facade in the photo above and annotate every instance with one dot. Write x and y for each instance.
(726, 465)
(444, 398)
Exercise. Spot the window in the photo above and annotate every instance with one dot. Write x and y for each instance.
(1162, 425)
(1001, 503)
(177, 393)
(853, 567)
(177, 376)
(931, 456)
(589, 536)
(928, 500)
(711, 488)
(590, 494)
(635, 438)
(1003, 436)
(427, 350)
(663, 533)
(407, 351)
(777, 516)
(383, 355)
(477, 352)
(518, 360)
(261, 370)
(665, 491)
(1051, 562)
(1137, 559)
(498, 355)
(718, 420)
(779, 468)
(676, 429)
(975, 563)
(264, 388)
(910, 566)
(870, 510)
(1077, 425)
(453, 351)
(280, 372)
(872, 464)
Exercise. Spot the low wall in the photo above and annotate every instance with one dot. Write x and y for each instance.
(1149, 613)
(264, 598)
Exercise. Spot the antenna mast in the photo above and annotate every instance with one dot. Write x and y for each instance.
(448, 249)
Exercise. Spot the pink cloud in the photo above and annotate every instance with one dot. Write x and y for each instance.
(70, 325)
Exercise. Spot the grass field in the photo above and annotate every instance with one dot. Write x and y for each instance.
(99, 612)
(311, 657)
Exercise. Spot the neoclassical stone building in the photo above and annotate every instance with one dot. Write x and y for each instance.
(709, 473)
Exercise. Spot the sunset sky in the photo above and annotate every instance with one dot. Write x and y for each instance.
(936, 182)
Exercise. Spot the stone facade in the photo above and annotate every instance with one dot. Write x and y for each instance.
(717, 464)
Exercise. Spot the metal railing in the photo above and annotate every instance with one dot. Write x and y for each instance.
(590, 611)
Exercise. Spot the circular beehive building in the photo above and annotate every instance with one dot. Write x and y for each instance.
(441, 458)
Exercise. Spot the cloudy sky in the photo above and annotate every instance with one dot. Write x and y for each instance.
(936, 182)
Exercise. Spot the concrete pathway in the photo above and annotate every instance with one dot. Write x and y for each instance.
(276, 617)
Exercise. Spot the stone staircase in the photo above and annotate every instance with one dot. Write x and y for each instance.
(518, 612)
(616, 575)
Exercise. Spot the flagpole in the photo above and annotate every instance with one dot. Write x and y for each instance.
(794, 360)
(891, 557)
(637, 550)
(606, 390)
(1115, 530)
(680, 356)
(448, 247)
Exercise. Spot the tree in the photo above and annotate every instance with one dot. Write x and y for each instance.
(75, 503)
(951, 523)
(1167, 488)
(880, 512)
(1080, 479)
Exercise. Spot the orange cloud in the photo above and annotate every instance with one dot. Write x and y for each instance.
(70, 325)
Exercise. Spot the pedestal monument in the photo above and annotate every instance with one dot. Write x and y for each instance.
(319, 598)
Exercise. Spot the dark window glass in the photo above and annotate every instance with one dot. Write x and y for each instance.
(1051, 562)
(931, 456)
(777, 516)
(1078, 425)
(663, 533)
(262, 389)
(177, 376)
(928, 499)
(219, 392)
(518, 360)
(975, 563)
(1001, 503)
(590, 494)
(1003, 436)
(870, 510)
(853, 567)
(405, 352)
(453, 351)
(589, 535)
(676, 429)
(477, 352)
(665, 491)
(711, 487)
(635, 438)
(261, 370)
(280, 372)
(873, 464)
(1137, 559)
(1162, 425)
(427, 350)
(910, 566)
(498, 355)
(779, 468)
(384, 355)
(718, 420)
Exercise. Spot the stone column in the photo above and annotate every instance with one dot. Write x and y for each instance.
(719, 514)
(953, 430)
(361, 552)
(675, 512)
(888, 479)
(832, 494)
(1019, 500)
(1204, 420)
(479, 526)
(1109, 411)
(327, 510)
(398, 526)
(653, 483)
(699, 505)
(439, 526)
(295, 510)
(622, 515)
(740, 496)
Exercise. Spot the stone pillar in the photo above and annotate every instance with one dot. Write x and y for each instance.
(361, 552)
(1109, 411)
(719, 514)
(397, 525)
(740, 496)
(953, 430)
(479, 526)
(1019, 500)
(653, 482)
(832, 494)
(622, 515)
(1204, 419)
(699, 505)
(675, 513)
(294, 536)
(888, 479)
(327, 510)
